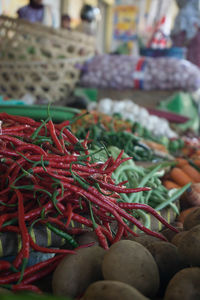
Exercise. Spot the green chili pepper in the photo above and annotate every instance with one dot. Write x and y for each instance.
(63, 234)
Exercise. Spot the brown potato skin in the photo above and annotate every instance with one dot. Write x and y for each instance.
(184, 285)
(145, 239)
(192, 220)
(77, 271)
(189, 247)
(131, 263)
(112, 290)
(169, 234)
(177, 238)
(167, 259)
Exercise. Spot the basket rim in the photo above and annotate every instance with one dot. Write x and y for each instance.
(39, 62)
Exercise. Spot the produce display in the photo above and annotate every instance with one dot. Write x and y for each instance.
(133, 112)
(89, 210)
(128, 72)
(49, 178)
(136, 140)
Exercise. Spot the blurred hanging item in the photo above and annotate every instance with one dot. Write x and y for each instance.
(186, 31)
(188, 20)
(125, 22)
(154, 24)
(159, 39)
(48, 16)
(160, 36)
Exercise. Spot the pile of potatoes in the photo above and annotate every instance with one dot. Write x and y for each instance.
(139, 268)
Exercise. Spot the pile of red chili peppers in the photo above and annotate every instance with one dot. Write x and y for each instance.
(49, 177)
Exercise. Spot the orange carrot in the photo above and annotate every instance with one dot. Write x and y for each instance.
(180, 177)
(197, 152)
(181, 162)
(197, 162)
(169, 184)
(191, 172)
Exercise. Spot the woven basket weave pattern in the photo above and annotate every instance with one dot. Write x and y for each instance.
(40, 60)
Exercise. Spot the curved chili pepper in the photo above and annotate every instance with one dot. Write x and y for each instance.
(54, 137)
(24, 233)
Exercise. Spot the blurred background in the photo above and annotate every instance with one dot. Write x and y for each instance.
(145, 50)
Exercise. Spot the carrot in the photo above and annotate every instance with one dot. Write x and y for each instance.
(191, 172)
(180, 177)
(197, 152)
(197, 162)
(181, 161)
(186, 151)
(169, 184)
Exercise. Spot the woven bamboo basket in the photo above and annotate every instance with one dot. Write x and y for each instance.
(40, 60)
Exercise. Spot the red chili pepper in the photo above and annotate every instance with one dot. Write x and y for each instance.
(69, 213)
(104, 203)
(6, 217)
(61, 174)
(62, 125)
(12, 139)
(24, 232)
(150, 210)
(19, 119)
(5, 266)
(18, 259)
(72, 138)
(49, 250)
(25, 287)
(119, 233)
(118, 189)
(39, 275)
(7, 161)
(31, 270)
(14, 129)
(54, 137)
(101, 237)
(31, 148)
(9, 152)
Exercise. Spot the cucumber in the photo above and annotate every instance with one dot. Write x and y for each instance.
(40, 112)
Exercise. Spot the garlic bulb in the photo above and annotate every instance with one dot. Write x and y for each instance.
(129, 110)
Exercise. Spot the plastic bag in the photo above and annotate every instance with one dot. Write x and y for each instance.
(183, 104)
(126, 72)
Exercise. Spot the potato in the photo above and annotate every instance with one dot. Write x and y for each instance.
(112, 290)
(184, 213)
(131, 263)
(145, 239)
(169, 234)
(184, 285)
(192, 220)
(189, 247)
(167, 259)
(176, 239)
(76, 272)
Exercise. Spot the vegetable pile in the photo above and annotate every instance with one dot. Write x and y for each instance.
(49, 178)
(136, 140)
(131, 111)
(159, 198)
